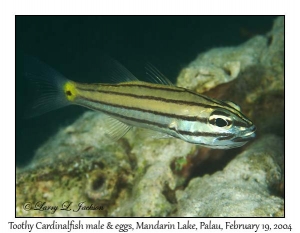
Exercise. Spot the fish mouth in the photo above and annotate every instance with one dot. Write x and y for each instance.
(247, 136)
(250, 132)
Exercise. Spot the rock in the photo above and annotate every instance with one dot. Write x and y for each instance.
(242, 189)
(221, 65)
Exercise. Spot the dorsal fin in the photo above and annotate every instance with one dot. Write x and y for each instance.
(115, 72)
(235, 106)
(156, 76)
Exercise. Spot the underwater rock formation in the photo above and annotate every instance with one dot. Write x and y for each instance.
(242, 188)
(80, 168)
(221, 65)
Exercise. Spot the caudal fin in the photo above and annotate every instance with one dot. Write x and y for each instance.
(50, 86)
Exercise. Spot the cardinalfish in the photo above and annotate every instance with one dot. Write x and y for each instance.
(158, 106)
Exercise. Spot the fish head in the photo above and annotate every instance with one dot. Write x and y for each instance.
(229, 128)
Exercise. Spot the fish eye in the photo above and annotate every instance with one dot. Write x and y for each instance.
(220, 119)
(221, 122)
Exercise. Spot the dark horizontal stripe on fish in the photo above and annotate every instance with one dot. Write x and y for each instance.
(180, 117)
(204, 97)
(130, 118)
(225, 137)
(171, 89)
(182, 132)
(204, 134)
(220, 113)
(180, 102)
(240, 113)
(177, 89)
(240, 124)
(221, 103)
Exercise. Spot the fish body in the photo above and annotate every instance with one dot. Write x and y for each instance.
(172, 111)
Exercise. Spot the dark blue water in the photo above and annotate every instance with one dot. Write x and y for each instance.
(73, 45)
